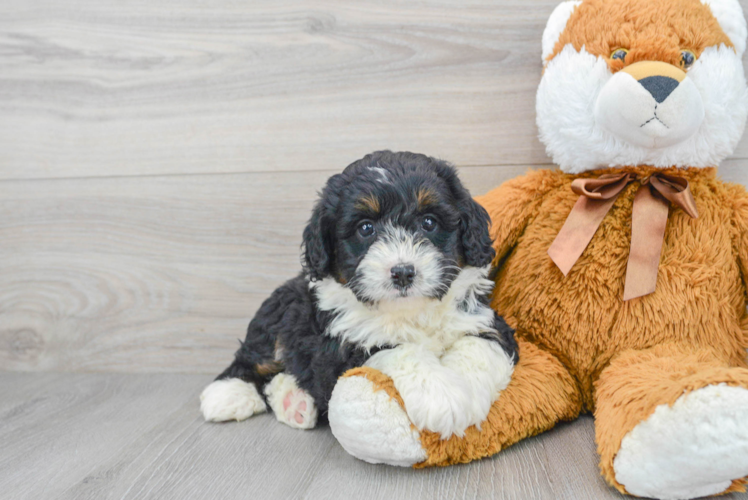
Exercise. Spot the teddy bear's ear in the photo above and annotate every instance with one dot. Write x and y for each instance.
(730, 17)
(556, 24)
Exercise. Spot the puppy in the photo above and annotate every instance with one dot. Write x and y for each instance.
(396, 257)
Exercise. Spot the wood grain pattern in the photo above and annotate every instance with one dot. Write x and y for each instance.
(158, 273)
(105, 88)
(94, 436)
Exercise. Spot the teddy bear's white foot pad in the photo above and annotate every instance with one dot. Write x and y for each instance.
(694, 448)
(371, 426)
(292, 406)
(230, 399)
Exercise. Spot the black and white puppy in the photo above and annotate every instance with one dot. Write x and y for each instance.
(396, 257)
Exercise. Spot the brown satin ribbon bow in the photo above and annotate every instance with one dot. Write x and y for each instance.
(648, 221)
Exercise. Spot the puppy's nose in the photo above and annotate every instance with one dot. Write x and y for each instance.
(659, 86)
(403, 275)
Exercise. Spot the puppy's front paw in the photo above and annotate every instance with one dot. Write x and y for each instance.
(440, 406)
(436, 398)
(230, 399)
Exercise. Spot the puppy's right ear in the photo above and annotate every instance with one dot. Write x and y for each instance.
(319, 239)
(317, 247)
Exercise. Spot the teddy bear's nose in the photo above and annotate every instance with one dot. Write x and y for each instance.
(659, 86)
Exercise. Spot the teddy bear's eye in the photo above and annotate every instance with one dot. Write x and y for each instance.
(687, 59)
(619, 54)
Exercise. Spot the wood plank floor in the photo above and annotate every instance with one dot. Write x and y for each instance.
(141, 436)
(106, 436)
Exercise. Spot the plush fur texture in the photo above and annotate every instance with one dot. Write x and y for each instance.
(540, 393)
(664, 374)
(691, 449)
(702, 121)
(450, 393)
(396, 258)
(360, 401)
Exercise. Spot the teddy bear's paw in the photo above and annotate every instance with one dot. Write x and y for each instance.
(694, 448)
(372, 426)
(230, 399)
(292, 406)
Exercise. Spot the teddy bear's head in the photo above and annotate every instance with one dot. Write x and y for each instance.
(642, 82)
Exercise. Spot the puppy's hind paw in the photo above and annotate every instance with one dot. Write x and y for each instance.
(299, 410)
(291, 405)
(230, 399)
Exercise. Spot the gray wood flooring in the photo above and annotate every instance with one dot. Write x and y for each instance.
(97, 436)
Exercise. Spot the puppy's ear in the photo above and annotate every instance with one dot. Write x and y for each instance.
(474, 220)
(476, 240)
(317, 245)
(319, 235)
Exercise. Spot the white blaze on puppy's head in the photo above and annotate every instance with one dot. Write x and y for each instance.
(637, 82)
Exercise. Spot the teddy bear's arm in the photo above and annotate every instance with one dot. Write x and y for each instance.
(514, 204)
(740, 215)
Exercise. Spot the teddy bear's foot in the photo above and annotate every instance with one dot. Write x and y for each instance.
(694, 448)
(371, 425)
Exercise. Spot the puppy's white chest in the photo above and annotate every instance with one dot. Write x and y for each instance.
(433, 324)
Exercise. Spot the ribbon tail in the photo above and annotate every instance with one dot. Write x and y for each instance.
(648, 222)
(578, 230)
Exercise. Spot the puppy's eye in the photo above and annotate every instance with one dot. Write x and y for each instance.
(619, 54)
(366, 229)
(687, 58)
(428, 223)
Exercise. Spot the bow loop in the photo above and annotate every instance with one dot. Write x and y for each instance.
(675, 190)
(649, 219)
(604, 187)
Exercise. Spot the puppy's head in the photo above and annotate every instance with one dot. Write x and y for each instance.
(655, 82)
(396, 225)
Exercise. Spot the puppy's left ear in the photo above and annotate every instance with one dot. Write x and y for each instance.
(476, 239)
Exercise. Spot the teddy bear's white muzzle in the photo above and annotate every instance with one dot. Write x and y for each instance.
(653, 112)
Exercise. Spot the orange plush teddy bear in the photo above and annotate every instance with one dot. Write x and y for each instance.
(625, 271)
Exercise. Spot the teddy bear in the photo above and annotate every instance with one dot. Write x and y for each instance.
(624, 270)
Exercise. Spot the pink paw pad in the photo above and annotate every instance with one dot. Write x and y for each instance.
(295, 407)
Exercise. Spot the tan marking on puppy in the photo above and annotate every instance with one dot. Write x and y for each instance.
(269, 368)
(659, 31)
(425, 197)
(369, 203)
